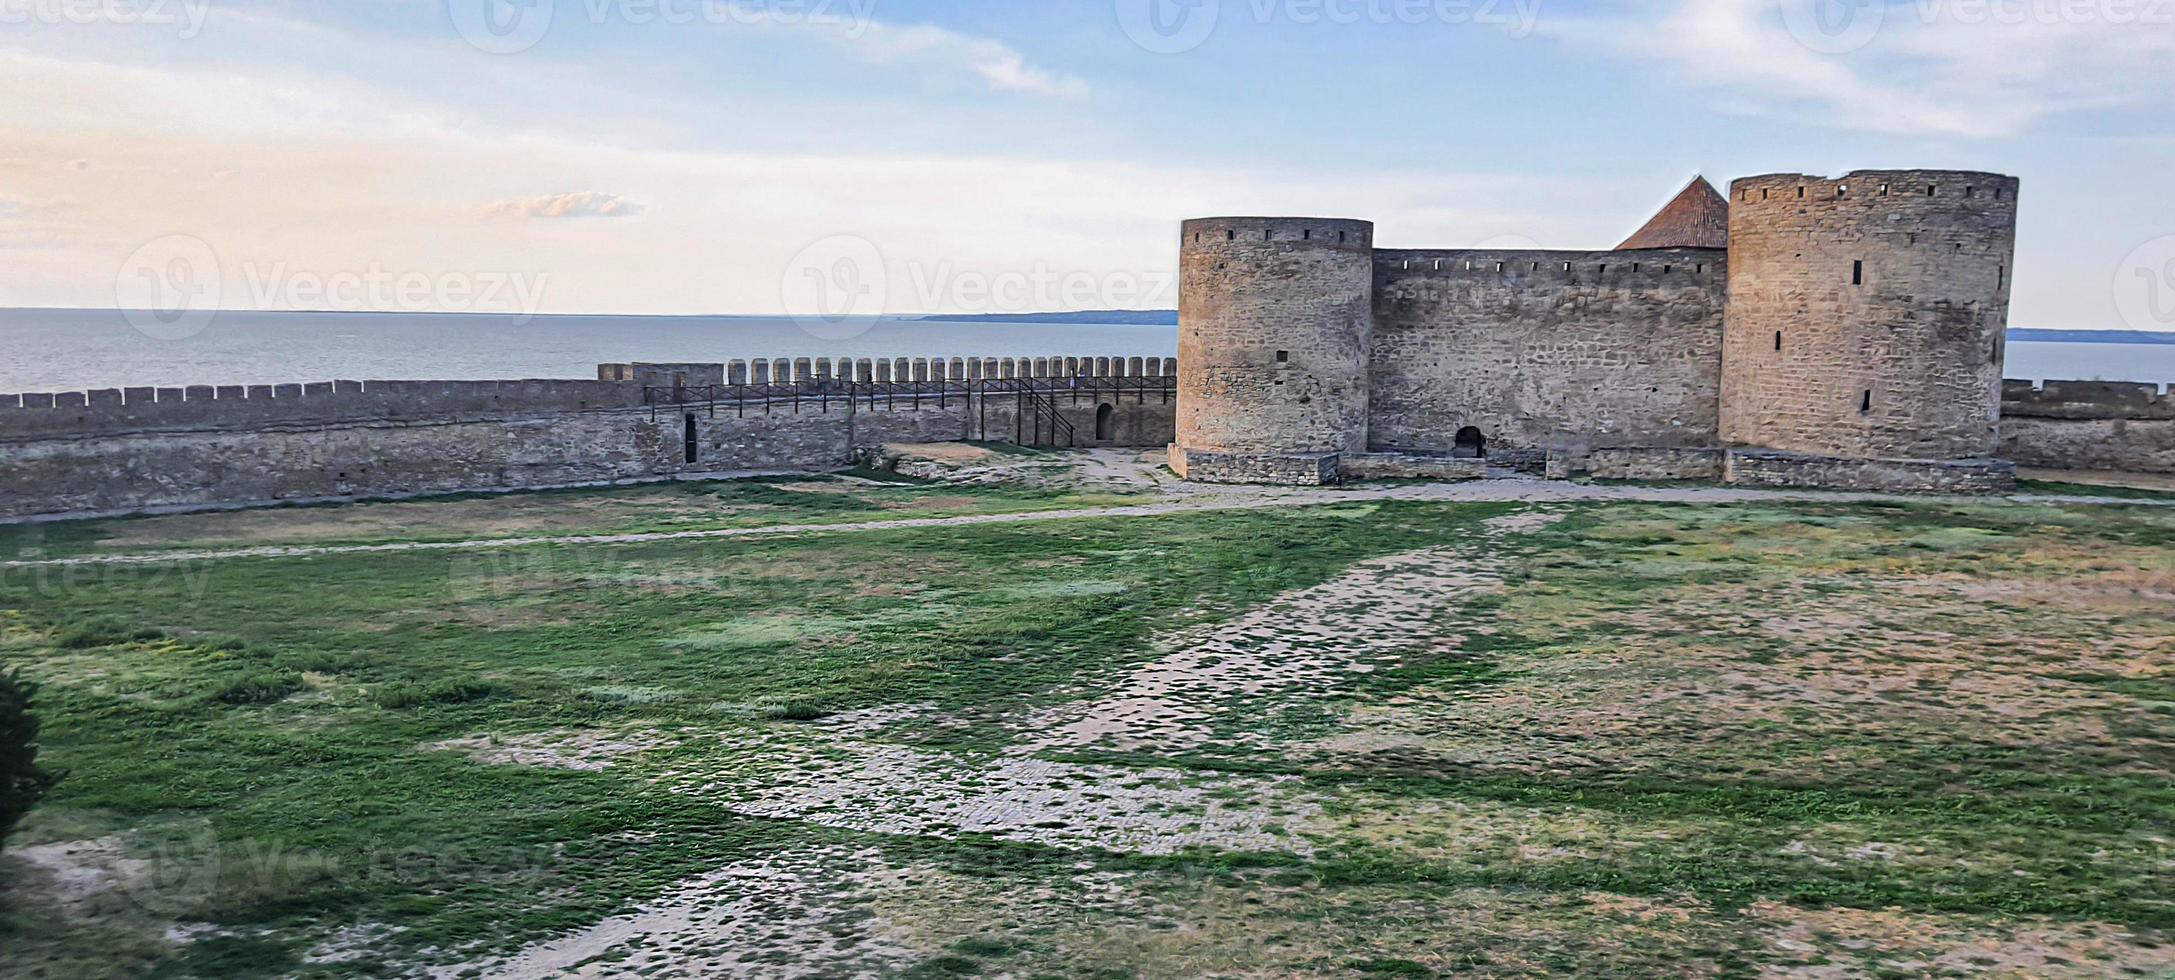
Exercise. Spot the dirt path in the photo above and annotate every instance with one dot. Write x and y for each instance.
(1187, 499)
(1298, 645)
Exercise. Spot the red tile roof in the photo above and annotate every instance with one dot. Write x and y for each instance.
(1697, 218)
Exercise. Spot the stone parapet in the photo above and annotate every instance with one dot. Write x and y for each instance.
(1784, 470)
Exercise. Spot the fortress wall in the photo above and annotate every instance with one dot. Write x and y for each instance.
(1867, 313)
(47, 415)
(140, 471)
(136, 471)
(2089, 425)
(242, 408)
(1547, 349)
(1275, 315)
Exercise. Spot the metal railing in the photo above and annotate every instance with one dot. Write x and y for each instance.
(1038, 402)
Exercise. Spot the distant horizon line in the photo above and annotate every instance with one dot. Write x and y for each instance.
(653, 316)
(1053, 317)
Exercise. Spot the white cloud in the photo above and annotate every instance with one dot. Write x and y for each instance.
(999, 65)
(577, 204)
(1925, 67)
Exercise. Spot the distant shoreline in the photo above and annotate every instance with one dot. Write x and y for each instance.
(1102, 318)
(1106, 318)
(2041, 335)
(1169, 318)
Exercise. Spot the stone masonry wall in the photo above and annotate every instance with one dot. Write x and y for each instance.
(2089, 425)
(1867, 313)
(1774, 469)
(1274, 320)
(114, 463)
(1547, 350)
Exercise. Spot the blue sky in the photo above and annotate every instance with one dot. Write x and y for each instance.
(684, 156)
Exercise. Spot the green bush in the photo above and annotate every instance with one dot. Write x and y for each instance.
(264, 687)
(104, 631)
(22, 783)
(442, 692)
(793, 711)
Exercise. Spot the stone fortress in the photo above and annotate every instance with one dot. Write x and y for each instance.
(1805, 332)
(1834, 332)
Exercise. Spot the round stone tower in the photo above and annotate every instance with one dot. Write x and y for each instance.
(1275, 327)
(1867, 313)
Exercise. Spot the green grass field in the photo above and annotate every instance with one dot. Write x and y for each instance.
(1839, 739)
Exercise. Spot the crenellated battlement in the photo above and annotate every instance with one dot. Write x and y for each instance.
(1335, 233)
(1895, 191)
(1639, 268)
(41, 415)
(2086, 400)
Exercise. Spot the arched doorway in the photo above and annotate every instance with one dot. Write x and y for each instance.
(1105, 422)
(1471, 444)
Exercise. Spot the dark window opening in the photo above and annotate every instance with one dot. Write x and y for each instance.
(1283, 357)
(1857, 273)
(1971, 192)
(1801, 192)
(1470, 444)
(1307, 234)
(2001, 276)
(1931, 189)
(1778, 340)
(1865, 402)
(1231, 235)
(1267, 234)
(1104, 417)
(1763, 193)
(1340, 236)
(694, 449)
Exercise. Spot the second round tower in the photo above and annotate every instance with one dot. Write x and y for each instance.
(1867, 313)
(1276, 319)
